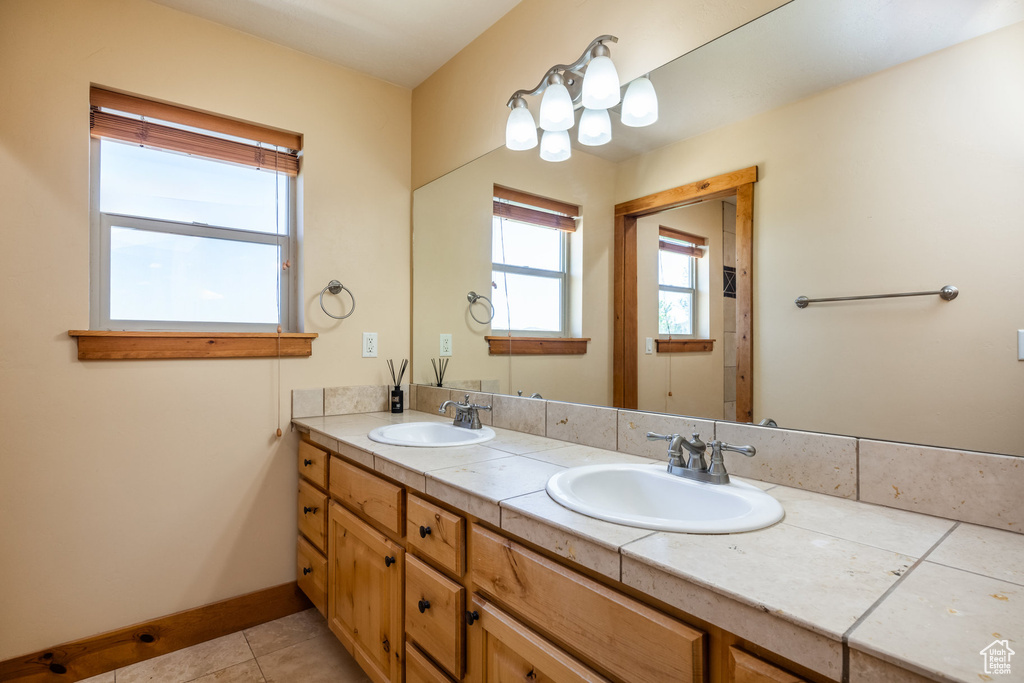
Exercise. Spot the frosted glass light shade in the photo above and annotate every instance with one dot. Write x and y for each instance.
(595, 127)
(555, 145)
(640, 105)
(556, 112)
(600, 84)
(520, 130)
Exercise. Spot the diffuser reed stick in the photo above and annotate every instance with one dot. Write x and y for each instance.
(440, 365)
(397, 379)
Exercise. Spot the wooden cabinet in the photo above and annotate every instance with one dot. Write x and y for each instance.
(434, 609)
(632, 641)
(746, 668)
(311, 549)
(503, 649)
(435, 533)
(364, 595)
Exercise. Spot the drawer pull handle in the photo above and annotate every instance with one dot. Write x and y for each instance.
(307, 510)
(471, 617)
(424, 531)
(388, 561)
(424, 605)
(307, 570)
(307, 463)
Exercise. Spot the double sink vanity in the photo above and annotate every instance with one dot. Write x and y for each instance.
(455, 562)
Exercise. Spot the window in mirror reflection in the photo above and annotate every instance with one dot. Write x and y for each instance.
(529, 269)
(677, 277)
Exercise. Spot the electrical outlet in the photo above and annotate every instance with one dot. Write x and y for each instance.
(446, 344)
(649, 349)
(369, 344)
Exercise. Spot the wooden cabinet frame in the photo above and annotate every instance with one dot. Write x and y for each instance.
(625, 342)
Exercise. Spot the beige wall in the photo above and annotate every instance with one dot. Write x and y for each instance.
(694, 380)
(452, 256)
(459, 112)
(903, 181)
(131, 490)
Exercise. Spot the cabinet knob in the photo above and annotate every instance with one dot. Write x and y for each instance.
(424, 531)
(471, 617)
(424, 605)
(388, 561)
(307, 510)
(306, 570)
(307, 463)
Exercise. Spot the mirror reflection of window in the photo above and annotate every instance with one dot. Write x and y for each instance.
(530, 263)
(677, 282)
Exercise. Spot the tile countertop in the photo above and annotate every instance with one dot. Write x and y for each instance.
(835, 584)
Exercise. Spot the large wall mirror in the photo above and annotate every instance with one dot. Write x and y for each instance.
(888, 140)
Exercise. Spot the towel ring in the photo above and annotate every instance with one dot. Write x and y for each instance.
(473, 297)
(337, 288)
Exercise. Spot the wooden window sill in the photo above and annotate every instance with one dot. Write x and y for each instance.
(684, 345)
(537, 346)
(135, 345)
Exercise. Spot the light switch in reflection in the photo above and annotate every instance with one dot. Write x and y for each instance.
(1020, 344)
(649, 349)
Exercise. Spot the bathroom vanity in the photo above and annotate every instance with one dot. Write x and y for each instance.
(454, 564)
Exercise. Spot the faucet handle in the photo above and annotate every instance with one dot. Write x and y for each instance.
(466, 399)
(748, 451)
(651, 436)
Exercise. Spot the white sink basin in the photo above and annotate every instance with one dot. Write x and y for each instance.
(430, 435)
(648, 497)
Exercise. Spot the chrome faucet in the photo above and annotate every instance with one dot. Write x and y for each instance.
(696, 467)
(466, 415)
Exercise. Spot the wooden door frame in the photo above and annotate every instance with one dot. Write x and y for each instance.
(625, 341)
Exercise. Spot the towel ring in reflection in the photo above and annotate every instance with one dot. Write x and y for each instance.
(336, 287)
(473, 297)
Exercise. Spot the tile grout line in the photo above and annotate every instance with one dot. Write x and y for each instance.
(978, 574)
(881, 599)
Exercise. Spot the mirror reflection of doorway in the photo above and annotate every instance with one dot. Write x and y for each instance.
(738, 187)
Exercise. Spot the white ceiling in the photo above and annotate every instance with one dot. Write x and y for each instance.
(399, 41)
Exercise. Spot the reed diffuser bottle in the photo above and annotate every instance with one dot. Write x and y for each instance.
(397, 395)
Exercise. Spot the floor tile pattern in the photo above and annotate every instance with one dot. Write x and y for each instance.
(298, 648)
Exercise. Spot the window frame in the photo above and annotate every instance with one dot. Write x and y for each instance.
(561, 275)
(692, 291)
(101, 222)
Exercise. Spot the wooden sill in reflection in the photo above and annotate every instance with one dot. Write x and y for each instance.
(684, 345)
(134, 345)
(537, 346)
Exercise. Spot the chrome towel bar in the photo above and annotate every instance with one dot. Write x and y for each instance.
(947, 293)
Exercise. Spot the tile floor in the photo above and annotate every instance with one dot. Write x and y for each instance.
(295, 649)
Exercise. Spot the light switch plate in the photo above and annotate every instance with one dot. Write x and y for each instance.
(1020, 344)
(649, 349)
(369, 344)
(446, 344)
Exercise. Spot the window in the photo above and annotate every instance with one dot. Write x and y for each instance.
(530, 263)
(677, 281)
(193, 220)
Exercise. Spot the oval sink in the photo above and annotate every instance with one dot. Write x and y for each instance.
(430, 435)
(648, 497)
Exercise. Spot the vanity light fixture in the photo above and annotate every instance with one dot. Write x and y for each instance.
(592, 81)
(640, 105)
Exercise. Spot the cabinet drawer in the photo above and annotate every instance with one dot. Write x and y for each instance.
(419, 669)
(434, 608)
(631, 640)
(369, 494)
(313, 464)
(436, 533)
(746, 668)
(312, 514)
(503, 649)
(312, 574)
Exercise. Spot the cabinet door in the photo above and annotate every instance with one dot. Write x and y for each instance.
(746, 668)
(364, 600)
(502, 649)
